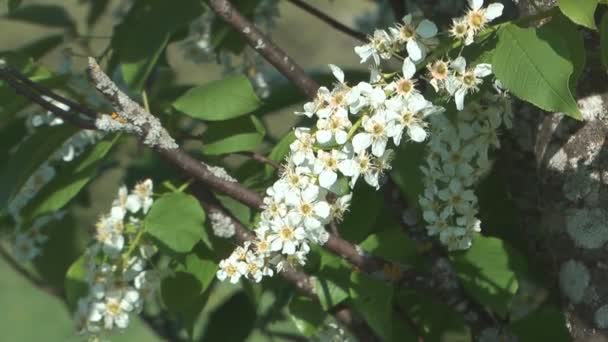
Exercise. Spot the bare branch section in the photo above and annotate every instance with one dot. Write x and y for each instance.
(329, 20)
(129, 116)
(265, 47)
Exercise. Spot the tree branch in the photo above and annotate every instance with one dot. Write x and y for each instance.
(264, 46)
(329, 20)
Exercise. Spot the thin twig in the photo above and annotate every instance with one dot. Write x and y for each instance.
(261, 158)
(329, 20)
(264, 46)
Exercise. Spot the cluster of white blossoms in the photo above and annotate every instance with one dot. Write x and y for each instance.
(352, 138)
(457, 158)
(465, 28)
(117, 272)
(29, 240)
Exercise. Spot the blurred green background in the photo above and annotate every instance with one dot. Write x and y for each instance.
(31, 315)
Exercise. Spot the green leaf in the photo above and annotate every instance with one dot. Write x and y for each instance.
(536, 65)
(201, 264)
(46, 15)
(406, 171)
(306, 315)
(176, 222)
(374, 300)
(236, 135)
(183, 297)
(545, 324)
(14, 4)
(236, 208)
(488, 272)
(436, 320)
(231, 322)
(75, 283)
(69, 181)
(332, 280)
(279, 152)
(219, 100)
(579, 11)
(27, 159)
(604, 41)
(359, 220)
(392, 244)
(142, 36)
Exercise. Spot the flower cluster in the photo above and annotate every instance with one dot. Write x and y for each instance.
(457, 158)
(354, 130)
(29, 240)
(117, 274)
(465, 28)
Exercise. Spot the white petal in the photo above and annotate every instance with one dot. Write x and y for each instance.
(327, 178)
(322, 209)
(413, 50)
(341, 137)
(475, 4)
(310, 194)
(338, 73)
(459, 64)
(408, 69)
(379, 146)
(494, 11)
(416, 133)
(323, 136)
(459, 98)
(483, 70)
(361, 141)
(426, 29)
(348, 167)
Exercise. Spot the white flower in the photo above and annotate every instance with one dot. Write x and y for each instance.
(361, 164)
(109, 234)
(255, 267)
(456, 197)
(221, 225)
(147, 282)
(376, 134)
(416, 38)
(326, 166)
(334, 127)
(141, 197)
(409, 115)
(114, 310)
(438, 71)
(478, 17)
(231, 268)
(460, 29)
(302, 147)
(340, 207)
(465, 80)
(308, 206)
(378, 47)
(286, 235)
(311, 108)
(406, 85)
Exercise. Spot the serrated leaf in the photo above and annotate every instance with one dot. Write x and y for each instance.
(219, 100)
(69, 181)
(579, 11)
(488, 271)
(27, 159)
(175, 221)
(142, 36)
(536, 65)
(233, 321)
(236, 135)
(47, 15)
(306, 315)
(75, 283)
(374, 300)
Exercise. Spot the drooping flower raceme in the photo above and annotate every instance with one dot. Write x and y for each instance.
(117, 275)
(354, 136)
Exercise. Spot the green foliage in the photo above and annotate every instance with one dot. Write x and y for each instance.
(393, 245)
(374, 300)
(47, 15)
(27, 159)
(231, 322)
(359, 220)
(175, 221)
(604, 41)
(69, 181)
(75, 283)
(240, 211)
(537, 65)
(406, 171)
(580, 12)
(279, 152)
(219, 100)
(13, 4)
(144, 33)
(306, 315)
(489, 272)
(332, 281)
(545, 324)
(183, 297)
(223, 36)
(437, 321)
(236, 135)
